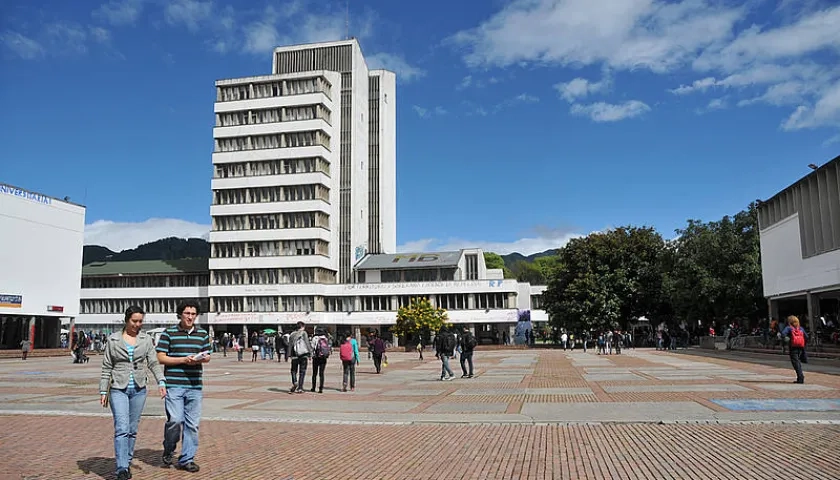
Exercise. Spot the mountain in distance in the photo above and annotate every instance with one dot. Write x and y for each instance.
(513, 258)
(171, 248)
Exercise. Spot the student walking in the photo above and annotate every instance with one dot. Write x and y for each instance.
(321, 350)
(300, 350)
(796, 349)
(444, 348)
(122, 384)
(349, 358)
(468, 343)
(377, 347)
(183, 350)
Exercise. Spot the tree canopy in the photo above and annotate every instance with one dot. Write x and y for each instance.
(419, 317)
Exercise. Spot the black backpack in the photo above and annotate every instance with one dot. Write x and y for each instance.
(448, 343)
(469, 341)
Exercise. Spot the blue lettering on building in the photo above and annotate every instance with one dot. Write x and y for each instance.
(19, 192)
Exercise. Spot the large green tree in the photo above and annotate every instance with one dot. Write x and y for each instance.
(419, 318)
(715, 270)
(606, 280)
(495, 261)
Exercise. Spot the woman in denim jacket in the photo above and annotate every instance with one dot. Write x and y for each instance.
(127, 355)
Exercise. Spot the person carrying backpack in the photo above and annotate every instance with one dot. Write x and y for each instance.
(796, 348)
(349, 357)
(321, 350)
(468, 343)
(377, 347)
(300, 350)
(445, 347)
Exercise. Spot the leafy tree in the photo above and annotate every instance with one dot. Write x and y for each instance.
(605, 280)
(419, 318)
(715, 270)
(495, 261)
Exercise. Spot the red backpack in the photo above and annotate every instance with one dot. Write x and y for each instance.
(346, 351)
(797, 338)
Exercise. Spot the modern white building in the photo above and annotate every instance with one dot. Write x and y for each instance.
(800, 246)
(458, 281)
(304, 177)
(156, 286)
(40, 265)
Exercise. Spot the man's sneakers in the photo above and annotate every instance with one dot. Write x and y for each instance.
(124, 475)
(191, 467)
(167, 458)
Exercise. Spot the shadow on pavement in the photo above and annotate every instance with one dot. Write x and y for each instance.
(149, 457)
(104, 467)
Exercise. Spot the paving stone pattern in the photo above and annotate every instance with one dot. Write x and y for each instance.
(526, 414)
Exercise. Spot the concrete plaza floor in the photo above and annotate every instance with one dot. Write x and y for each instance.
(526, 414)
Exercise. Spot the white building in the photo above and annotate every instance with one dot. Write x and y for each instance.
(156, 286)
(40, 264)
(304, 175)
(800, 246)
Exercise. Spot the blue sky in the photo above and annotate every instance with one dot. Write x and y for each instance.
(520, 123)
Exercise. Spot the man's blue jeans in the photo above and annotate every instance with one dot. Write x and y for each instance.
(183, 407)
(444, 366)
(126, 405)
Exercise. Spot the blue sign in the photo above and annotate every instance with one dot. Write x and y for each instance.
(11, 301)
(19, 192)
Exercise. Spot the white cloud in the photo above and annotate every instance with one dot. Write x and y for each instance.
(21, 45)
(397, 64)
(525, 246)
(465, 83)
(608, 112)
(698, 85)
(832, 140)
(717, 104)
(120, 236)
(420, 111)
(620, 33)
(190, 13)
(580, 88)
(826, 111)
(423, 112)
(122, 12)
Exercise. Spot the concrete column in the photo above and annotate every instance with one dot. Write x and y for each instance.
(813, 311)
(31, 333)
(72, 335)
(472, 329)
(773, 309)
(245, 331)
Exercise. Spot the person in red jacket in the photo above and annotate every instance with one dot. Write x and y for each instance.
(796, 347)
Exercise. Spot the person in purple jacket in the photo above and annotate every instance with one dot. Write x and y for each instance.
(798, 338)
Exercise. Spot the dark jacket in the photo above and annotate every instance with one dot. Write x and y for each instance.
(377, 346)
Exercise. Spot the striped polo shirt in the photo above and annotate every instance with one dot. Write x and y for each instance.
(176, 342)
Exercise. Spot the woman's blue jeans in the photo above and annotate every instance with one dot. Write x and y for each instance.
(126, 405)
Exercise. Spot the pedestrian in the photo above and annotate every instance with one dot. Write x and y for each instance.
(349, 357)
(444, 348)
(321, 350)
(278, 347)
(122, 383)
(377, 348)
(240, 347)
(797, 339)
(468, 343)
(420, 348)
(300, 350)
(25, 346)
(183, 349)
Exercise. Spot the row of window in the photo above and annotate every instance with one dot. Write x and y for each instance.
(269, 249)
(273, 115)
(272, 276)
(274, 140)
(263, 304)
(288, 193)
(151, 281)
(149, 305)
(272, 167)
(377, 303)
(271, 221)
(418, 275)
(277, 88)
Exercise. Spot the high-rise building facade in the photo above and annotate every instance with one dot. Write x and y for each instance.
(304, 173)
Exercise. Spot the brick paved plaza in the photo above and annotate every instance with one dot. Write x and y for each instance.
(527, 414)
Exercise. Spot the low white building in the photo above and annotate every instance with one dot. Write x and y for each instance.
(458, 281)
(156, 286)
(41, 242)
(800, 246)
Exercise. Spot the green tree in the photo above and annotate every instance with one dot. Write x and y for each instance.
(715, 270)
(419, 318)
(495, 261)
(605, 280)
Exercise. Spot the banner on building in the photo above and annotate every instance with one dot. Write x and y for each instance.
(11, 301)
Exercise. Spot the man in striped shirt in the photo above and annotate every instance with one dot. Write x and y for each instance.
(182, 350)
